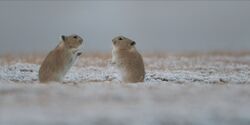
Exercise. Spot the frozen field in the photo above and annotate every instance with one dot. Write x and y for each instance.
(199, 89)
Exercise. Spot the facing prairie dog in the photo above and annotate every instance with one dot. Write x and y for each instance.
(127, 60)
(59, 61)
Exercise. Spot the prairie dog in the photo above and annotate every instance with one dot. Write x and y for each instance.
(127, 60)
(59, 61)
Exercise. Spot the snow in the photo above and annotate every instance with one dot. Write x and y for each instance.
(173, 69)
(203, 90)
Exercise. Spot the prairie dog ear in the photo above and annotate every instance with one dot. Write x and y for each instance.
(133, 43)
(63, 37)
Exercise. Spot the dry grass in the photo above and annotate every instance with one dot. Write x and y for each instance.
(102, 59)
(37, 58)
(24, 58)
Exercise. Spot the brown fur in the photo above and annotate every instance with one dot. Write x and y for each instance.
(126, 58)
(59, 61)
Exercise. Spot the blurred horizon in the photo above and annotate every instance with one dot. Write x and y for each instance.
(156, 26)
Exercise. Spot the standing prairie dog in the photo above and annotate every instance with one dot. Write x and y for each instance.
(128, 60)
(59, 61)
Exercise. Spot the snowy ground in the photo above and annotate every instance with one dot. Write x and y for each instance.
(178, 90)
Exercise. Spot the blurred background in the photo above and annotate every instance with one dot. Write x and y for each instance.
(171, 26)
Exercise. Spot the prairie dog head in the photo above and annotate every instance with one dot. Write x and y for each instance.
(73, 42)
(123, 43)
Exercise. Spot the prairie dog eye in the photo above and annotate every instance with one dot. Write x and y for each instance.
(75, 37)
(133, 43)
(119, 38)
